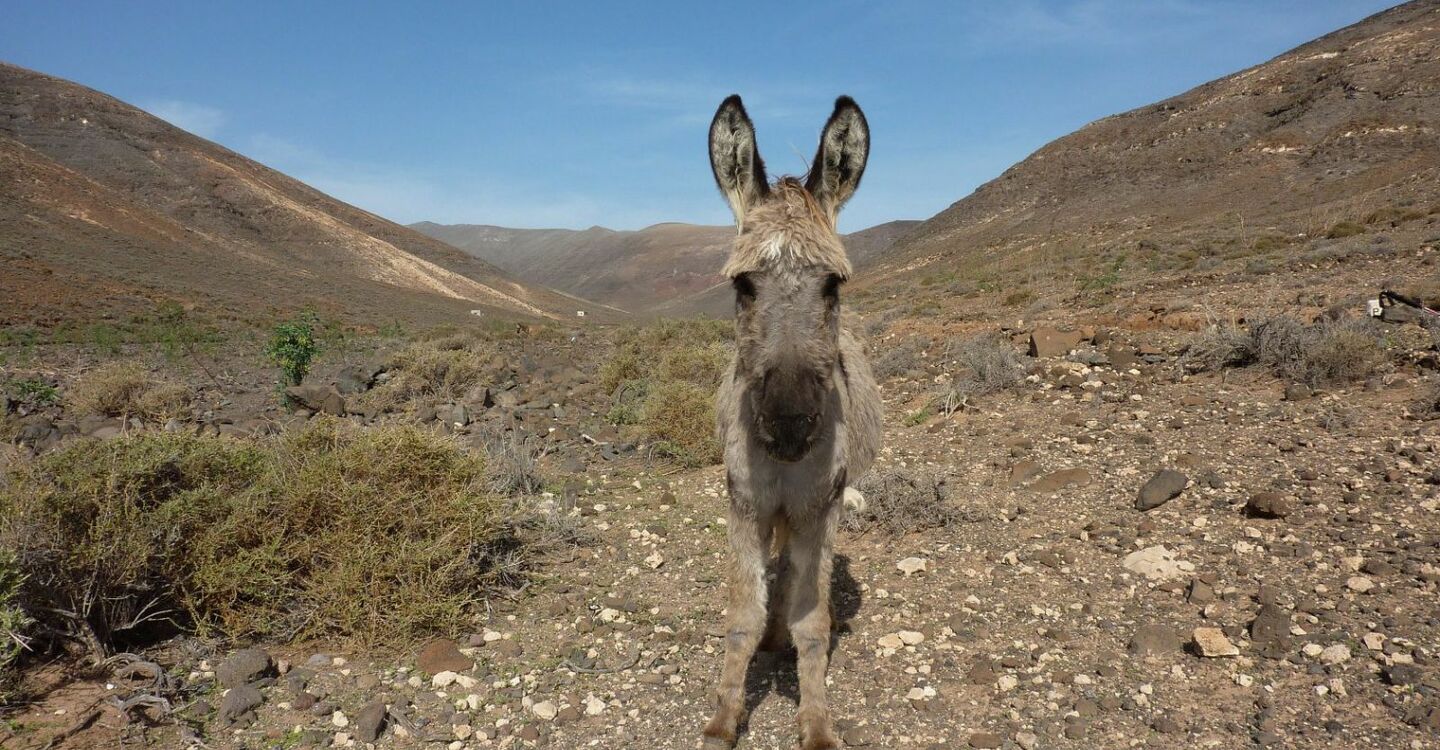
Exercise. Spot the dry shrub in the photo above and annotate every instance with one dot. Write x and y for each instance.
(680, 418)
(985, 364)
(369, 536)
(15, 625)
(901, 358)
(902, 502)
(662, 380)
(125, 389)
(513, 463)
(1322, 353)
(439, 369)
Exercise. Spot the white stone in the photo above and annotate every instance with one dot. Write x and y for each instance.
(911, 637)
(338, 719)
(1373, 641)
(1212, 642)
(1337, 653)
(1007, 682)
(891, 641)
(546, 710)
(443, 679)
(1156, 563)
(1359, 584)
(912, 565)
(594, 706)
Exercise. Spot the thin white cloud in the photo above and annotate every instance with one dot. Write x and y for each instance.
(406, 197)
(200, 119)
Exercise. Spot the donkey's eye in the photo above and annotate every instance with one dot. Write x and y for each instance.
(744, 287)
(832, 286)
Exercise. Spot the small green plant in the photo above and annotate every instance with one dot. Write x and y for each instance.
(34, 391)
(1104, 281)
(293, 346)
(917, 417)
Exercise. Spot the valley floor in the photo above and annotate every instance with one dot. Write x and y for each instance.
(1032, 630)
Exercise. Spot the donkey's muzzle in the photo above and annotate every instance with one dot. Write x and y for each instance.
(788, 437)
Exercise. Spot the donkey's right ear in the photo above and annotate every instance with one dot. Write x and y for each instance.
(735, 159)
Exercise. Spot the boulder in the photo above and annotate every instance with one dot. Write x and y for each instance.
(1163, 487)
(356, 378)
(238, 702)
(245, 666)
(318, 398)
(1048, 341)
(443, 655)
(370, 722)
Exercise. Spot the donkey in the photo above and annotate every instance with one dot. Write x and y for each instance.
(798, 412)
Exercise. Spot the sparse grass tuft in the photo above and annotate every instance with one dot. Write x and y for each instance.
(662, 378)
(902, 502)
(370, 535)
(125, 389)
(1323, 353)
(1344, 229)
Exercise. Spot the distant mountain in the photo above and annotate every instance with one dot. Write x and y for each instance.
(665, 267)
(1345, 128)
(105, 208)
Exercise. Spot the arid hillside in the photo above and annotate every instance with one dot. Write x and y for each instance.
(671, 268)
(1272, 163)
(106, 208)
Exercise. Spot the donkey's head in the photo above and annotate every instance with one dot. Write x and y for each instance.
(787, 267)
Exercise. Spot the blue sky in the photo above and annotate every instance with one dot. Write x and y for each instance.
(573, 114)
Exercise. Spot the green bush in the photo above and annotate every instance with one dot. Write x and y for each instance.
(293, 346)
(680, 418)
(330, 532)
(662, 378)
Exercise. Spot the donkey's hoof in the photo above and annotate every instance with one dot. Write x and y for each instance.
(820, 742)
(854, 501)
(717, 743)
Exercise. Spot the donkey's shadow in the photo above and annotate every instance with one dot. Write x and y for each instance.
(775, 671)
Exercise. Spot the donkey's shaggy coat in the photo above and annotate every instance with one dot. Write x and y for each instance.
(798, 411)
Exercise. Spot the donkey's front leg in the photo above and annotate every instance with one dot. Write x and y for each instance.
(811, 551)
(749, 550)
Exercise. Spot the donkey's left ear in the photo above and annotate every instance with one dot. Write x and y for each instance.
(840, 160)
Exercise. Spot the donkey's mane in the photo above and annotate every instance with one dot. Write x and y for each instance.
(790, 230)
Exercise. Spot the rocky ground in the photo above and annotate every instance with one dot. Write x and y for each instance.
(1131, 556)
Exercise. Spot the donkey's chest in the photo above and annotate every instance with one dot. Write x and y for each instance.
(801, 489)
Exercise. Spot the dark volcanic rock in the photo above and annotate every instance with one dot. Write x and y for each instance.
(238, 702)
(370, 722)
(1161, 489)
(245, 666)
